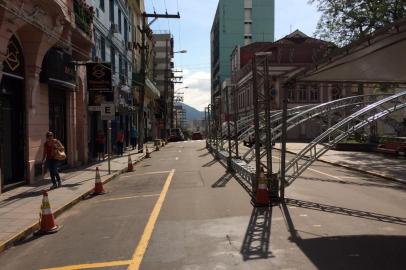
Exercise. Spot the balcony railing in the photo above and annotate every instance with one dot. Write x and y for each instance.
(83, 16)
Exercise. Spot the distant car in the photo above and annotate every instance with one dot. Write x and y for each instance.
(176, 135)
(197, 136)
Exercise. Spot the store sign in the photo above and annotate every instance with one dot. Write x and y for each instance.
(99, 83)
(108, 112)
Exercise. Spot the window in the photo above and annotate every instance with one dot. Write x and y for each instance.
(248, 14)
(101, 5)
(103, 48)
(291, 95)
(314, 93)
(111, 11)
(302, 93)
(113, 59)
(119, 20)
(336, 92)
(120, 64)
(125, 30)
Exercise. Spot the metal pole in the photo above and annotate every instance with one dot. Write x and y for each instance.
(109, 144)
(256, 124)
(228, 129)
(235, 122)
(283, 138)
(142, 92)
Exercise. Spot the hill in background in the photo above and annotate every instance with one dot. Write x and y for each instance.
(192, 113)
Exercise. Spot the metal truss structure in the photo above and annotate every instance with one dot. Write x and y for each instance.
(340, 131)
(325, 110)
(369, 108)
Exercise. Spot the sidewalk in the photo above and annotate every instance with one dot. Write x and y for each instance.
(393, 168)
(20, 207)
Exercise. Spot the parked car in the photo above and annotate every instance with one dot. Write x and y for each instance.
(197, 135)
(176, 135)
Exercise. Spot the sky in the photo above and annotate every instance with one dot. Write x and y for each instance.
(192, 33)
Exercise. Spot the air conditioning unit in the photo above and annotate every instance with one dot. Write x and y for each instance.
(114, 28)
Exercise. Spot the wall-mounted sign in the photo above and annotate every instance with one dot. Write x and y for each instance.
(99, 83)
(108, 112)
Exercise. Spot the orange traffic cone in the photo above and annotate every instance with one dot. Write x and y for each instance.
(147, 154)
(98, 185)
(157, 147)
(47, 221)
(262, 195)
(130, 164)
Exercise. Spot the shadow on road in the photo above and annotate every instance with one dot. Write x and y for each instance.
(222, 181)
(257, 237)
(346, 211)
(365, 182)
(350, 251)
(210, 163)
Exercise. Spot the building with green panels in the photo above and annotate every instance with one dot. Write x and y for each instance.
(237, 22)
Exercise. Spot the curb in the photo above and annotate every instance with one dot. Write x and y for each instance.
(394, 179)
(35, 226)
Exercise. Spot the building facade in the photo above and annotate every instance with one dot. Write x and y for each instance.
(237, 22)
(163, 78)
(42, 89)
(290, 53)
(113, 44)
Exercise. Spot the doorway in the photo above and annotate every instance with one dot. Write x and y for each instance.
(12, 131)
(12, 118)
(57, 115)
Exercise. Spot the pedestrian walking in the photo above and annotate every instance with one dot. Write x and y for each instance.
(100, 144)
(54, 151)
(120, 141)
(133, 134)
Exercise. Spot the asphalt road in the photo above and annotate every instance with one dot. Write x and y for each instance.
(181, 210)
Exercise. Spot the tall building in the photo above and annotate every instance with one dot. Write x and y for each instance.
(41, 89)
(113, 44)
(163, 74)
(237, 22)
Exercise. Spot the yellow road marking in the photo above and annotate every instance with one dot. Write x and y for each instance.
(129, 197)
(147, 173)
(135, 262)
(91, 265)
(149, 228)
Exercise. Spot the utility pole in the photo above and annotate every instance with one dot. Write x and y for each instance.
(144, 30)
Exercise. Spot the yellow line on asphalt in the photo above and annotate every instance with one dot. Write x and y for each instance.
(91, 265)
(129, 197)
(149, 228)
(147, 173)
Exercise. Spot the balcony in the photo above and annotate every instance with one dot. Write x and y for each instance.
(82, 32)
(83, 16)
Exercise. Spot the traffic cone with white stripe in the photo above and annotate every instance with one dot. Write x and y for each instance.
(262, 195)
(147, 153)
(98, 185)
(47, 220)
(130, 167)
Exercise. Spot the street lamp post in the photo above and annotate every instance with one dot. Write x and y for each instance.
(167, 82)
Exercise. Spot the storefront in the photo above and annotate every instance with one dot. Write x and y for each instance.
(59, 73)
(12, 118)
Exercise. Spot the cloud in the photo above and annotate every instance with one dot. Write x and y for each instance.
(198, 93)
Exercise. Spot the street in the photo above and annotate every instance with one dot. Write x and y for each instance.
(181, 210)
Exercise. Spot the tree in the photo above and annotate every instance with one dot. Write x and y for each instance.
(343, 21)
